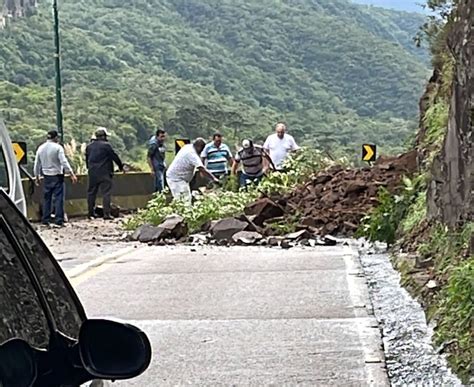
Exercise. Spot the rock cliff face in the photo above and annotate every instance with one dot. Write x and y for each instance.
(451, 193)
(15, 8)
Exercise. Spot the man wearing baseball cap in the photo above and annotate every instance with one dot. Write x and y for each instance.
(254, 163)
(100, 159)
(51, 164)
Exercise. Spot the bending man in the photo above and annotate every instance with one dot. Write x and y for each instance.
(181, 171)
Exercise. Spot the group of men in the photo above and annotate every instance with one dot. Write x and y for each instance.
(215, 160)
(52, 165)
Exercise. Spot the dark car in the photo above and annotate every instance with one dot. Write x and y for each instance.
(45, 336)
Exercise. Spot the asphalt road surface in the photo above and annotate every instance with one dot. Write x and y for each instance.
(243, 315)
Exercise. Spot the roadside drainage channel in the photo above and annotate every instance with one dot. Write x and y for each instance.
(410, 356)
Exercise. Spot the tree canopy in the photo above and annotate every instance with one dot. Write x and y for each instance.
(339, 74)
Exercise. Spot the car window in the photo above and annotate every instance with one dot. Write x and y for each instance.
(4, 181)
(21, 314)
(65, 306)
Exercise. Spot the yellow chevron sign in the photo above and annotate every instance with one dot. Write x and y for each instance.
(369, 152)
(179, 143)
(19, 148)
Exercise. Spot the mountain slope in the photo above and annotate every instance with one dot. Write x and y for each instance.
(340, 74)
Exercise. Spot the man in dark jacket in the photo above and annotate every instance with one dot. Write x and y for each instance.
(100, 159)
(156, 156)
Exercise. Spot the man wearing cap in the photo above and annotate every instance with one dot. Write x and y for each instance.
(51, 164)
(254, 161)
(100, 159)
(217, 157)
(181, 171)
(279, 145)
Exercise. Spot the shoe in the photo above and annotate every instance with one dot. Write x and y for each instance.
(108, 217)
(58, 225)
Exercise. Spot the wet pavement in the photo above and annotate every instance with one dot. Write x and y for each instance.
(249, 315)
(82, 240)
(243, 315)
(411, 359)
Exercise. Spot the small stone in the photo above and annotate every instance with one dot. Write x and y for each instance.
(431, 284)
(247, 237)
(295, 236)
(286, 244)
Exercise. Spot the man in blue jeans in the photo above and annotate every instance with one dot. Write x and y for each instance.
(51, 164)
(156, 156)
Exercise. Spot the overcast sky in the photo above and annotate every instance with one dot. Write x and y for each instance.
(407, 5)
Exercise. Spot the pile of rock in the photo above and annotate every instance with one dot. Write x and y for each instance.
(333, 203)
(336, 200)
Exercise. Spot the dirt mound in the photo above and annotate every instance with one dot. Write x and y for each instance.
(336, 200)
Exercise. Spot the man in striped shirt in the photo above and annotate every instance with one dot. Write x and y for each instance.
(255, 161)
(217, 157)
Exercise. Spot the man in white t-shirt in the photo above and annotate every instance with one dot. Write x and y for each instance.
(279, 145)
(181, 171)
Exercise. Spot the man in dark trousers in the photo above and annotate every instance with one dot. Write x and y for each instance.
(100, 159)
(156, 156)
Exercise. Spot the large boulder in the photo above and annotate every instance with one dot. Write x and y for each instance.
(174, 226)
(148, 233)
(264, 209)
(226, 228)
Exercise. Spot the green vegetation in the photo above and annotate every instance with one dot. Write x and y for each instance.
(403, 218)
(453, 306)
(402, 211)
(340, 74)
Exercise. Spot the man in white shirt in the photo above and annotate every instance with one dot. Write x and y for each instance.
(52, 165)
(181, 171)
(279, 145)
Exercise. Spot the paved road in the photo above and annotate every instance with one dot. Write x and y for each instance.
(243, 316)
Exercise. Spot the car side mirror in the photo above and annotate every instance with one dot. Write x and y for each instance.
(17, 364)
(112, 350)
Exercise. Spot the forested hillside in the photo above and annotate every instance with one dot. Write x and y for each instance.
(340, 74)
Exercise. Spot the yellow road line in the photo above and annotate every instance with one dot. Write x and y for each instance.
(87, 270)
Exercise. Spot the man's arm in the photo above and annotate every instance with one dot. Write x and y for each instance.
(235, 166)
(230, 158)
(204, 154)
(87, 157)
(266, 145)
(149, 157)
(116, 158)
(294, 145)
(203, 170)
(37, 170)
(197, 162)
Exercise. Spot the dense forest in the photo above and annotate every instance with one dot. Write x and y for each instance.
(340, 74)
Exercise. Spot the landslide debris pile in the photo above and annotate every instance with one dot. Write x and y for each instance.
(336, 199)
(331, 204)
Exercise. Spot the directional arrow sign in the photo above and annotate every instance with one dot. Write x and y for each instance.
(178, 144)
(369, 152)
(20, 152)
